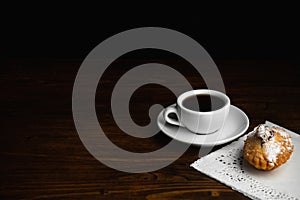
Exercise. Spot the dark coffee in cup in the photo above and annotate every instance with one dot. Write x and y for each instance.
(203, 103)
(200, 111)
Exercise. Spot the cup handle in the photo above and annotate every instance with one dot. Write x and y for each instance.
(168, 110)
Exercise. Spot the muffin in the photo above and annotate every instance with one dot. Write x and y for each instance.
(268, 147)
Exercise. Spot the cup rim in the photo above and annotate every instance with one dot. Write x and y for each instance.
(203, 91)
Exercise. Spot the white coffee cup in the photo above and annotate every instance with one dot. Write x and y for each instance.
(199, 121)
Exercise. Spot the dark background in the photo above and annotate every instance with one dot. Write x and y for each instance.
(248, 32)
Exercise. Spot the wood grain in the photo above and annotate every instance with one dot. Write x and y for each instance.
(42, 156)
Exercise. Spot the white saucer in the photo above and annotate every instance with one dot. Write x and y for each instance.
(235, 125)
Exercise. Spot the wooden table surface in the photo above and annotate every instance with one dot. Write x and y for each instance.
(42, 156)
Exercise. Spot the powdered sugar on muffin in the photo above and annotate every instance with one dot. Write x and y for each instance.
(264, 132)
(268, 147)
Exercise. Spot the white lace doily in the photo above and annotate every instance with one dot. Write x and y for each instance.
(228, 166)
